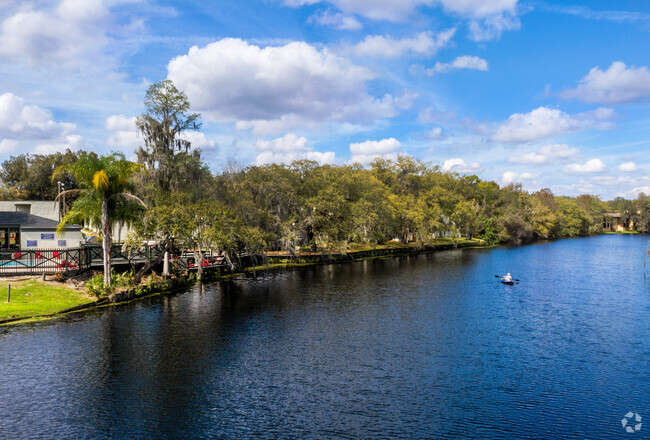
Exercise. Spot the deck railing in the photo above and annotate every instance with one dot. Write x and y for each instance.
(37, 261)
(74, 260)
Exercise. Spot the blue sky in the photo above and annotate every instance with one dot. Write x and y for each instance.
(542, 93)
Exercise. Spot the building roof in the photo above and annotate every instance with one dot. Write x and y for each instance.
(612, 214)
(29, 221)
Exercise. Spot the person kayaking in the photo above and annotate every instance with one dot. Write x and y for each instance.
(507, 278)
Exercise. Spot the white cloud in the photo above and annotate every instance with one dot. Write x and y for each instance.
(462, 62)
(436, 134)
(63, 35)
(384, 46)
(8, 146)
(336, 20)
(458, 165)
(491, 28)
(274, 89)
(198, 140)
(616, 85)
(72, 142)
(120, 123)
(20, 122)
(479, 8)
(366, 152)
(545, 122)
(289, 148)
(389, 10)
(547, 154)
(125, 135)
(627, 167)
(512, 177)
(396, 11)
(591, 166)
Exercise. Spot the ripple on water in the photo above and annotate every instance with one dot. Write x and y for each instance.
(428, 346)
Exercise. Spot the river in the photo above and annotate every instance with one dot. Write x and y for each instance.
(427, 346)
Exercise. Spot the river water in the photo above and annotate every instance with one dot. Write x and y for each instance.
(428, 346)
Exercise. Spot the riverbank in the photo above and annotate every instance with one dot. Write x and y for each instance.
(31, 297)
(34, 299)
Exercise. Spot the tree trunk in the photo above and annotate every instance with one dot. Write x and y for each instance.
(198, 261)
(153, 263)
(106, 243)
(166, 265)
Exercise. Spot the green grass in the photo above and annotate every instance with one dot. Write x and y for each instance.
(620, 232)
(34, 298)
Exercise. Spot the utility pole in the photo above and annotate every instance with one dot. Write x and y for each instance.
(62, 204)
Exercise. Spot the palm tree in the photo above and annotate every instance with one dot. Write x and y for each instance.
(103, 198)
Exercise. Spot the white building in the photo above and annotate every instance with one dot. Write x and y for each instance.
(21, 230)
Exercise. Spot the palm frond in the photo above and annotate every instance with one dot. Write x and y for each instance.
(69, 192)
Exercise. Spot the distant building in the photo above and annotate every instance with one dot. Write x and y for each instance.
(43, 210)
(613, 221)
(22, 230)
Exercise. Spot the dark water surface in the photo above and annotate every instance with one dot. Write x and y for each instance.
(430, 346)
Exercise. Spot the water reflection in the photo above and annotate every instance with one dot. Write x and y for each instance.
(427, 346)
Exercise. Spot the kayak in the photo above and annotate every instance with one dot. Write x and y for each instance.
(509, 283)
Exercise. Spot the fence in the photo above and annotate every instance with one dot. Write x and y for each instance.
(37, 261)
(75, 260)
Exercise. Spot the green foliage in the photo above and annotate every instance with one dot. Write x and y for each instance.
(104, 197)
(95, 286)
(169, 161)
(489, 231)
(36, 176)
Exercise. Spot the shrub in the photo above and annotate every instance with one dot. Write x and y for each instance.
(95, 286)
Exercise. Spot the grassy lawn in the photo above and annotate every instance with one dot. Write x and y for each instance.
(33, 297)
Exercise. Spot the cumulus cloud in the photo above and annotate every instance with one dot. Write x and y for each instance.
(458, 165)
(336, 20)
(627, 167)
(287, 149)
(62, 35)
(384, 46)
(512, 177)
(72, 142)
(617, 85)
(462, 62)
(547, 154)
(366, 152)
(19, 121)
(591, 166)
(275, 89)
(124, 134)
(545, 122)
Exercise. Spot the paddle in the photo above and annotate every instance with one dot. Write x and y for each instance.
(499, 276)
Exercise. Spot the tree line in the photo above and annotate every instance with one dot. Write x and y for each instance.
(169, 195)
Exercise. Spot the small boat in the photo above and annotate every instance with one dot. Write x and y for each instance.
(509, 283)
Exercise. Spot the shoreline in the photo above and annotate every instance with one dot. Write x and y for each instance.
(274, 262)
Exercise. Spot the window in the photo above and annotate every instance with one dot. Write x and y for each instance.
(24, 207)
